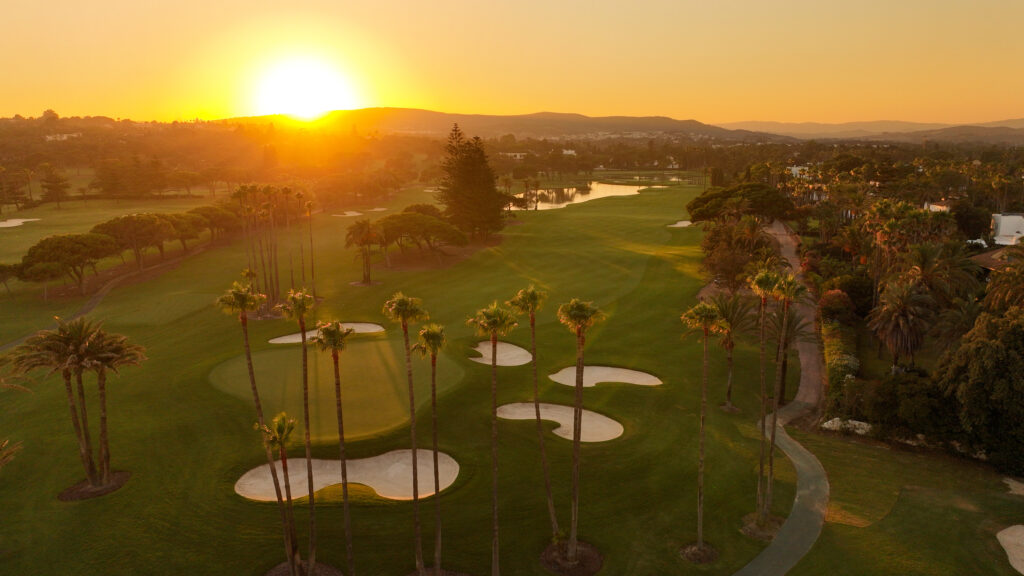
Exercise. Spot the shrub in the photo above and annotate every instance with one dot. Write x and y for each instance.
(836, 305)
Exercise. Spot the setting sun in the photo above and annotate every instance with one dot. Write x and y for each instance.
(304, 88)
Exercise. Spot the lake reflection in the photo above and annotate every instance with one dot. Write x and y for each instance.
(551, 198)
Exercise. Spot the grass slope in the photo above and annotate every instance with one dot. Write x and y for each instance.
(899, 512)
(186, 441)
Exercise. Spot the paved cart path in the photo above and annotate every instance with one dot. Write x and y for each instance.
(803, 525)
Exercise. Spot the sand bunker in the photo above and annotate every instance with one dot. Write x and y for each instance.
(1014, 486)
(357, 327)
(348, 213)
(508, 354)
(389, 474)
(377, 209)
(1012, 540)
(681, 224)
(595, 427)
(594, 375)
(16, 222)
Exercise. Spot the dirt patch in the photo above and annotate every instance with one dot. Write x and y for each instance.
(765, 533)
(429, 571)
(321, 570)
(699, 553)
(588, 560)
(84, 491)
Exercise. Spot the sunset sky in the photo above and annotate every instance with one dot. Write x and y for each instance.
(730, 60)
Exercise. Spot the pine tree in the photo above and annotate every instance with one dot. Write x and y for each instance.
(468, 190)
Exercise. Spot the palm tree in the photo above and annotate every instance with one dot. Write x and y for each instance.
(788, 290)
(60, 350)
(332, 336)
(493, 321)
(363, 235)
(8, 450)
(296, 305)
(703, 317)
(762, 284)
(735, 319)
(902, 318)
(798, 330)
(109, 352)
(578, 316)
(241, 299)
(312, 268)
(431, 340)
(403, 310)
(1006, 286)
(276, 437)
(528, 301)
(952, 323)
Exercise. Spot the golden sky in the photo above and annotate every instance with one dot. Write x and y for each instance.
(715, 61)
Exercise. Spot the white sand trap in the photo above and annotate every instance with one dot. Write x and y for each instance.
(357, 327)
(681, 224)
(595, 427)
(1014, 486)
(594, 375)
(389, 474)
(1012, 540)
(378, 209)
(16, 222)
(348, 213)
(508, 354)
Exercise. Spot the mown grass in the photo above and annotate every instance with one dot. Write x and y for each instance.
(895, 511)
(186, 442)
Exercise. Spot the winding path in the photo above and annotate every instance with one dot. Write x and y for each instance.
(100, 294)
(803, 526)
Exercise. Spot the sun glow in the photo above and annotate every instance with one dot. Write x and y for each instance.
(305, 88)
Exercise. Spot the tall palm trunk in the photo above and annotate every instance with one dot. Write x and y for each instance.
(312, 269)
(728, 385)
(295, 561)
(495, 567)
(309, 450)
(86, 436)
(540, 428)
(577, 425)
(700, 445)
(83, 451)
(344, 465)
(101, 388)
(415, 468)
(437, 474)
(760, 516)
(775, 410)
(290, 537)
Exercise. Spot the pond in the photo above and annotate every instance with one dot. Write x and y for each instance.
(551, 198)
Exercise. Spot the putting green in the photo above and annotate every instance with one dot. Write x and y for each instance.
(373, 385)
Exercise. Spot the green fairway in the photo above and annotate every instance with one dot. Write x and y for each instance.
(898, 512)
(373, 383)
(186, 441)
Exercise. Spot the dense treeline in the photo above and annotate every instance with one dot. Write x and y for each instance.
(71, 256)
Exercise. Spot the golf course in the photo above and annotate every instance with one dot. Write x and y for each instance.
(182, 422)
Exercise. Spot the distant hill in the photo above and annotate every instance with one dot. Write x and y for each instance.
(539, 125)
(821, 131)
(981, 134)
(888, 130)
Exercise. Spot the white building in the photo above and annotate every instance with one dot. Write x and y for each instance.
(1008, 229)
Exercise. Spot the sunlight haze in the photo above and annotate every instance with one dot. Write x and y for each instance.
(794, 60)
